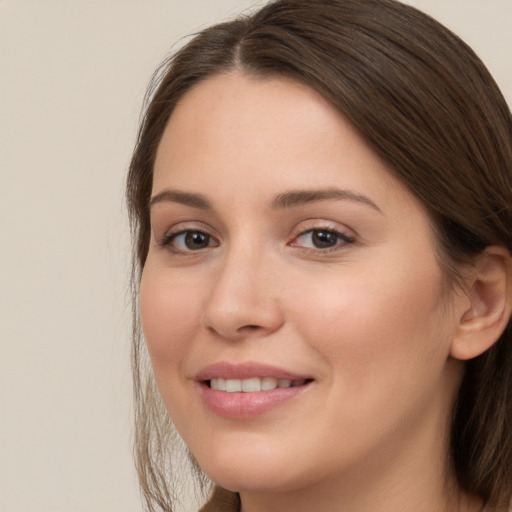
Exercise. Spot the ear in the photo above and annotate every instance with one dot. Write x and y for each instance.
(490, 295)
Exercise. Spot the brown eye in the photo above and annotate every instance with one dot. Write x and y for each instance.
(195, 240)
(187, 241)
(322, 239)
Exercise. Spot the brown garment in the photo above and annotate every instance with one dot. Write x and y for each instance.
(222, 501)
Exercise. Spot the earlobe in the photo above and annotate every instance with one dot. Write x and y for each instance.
(490, 294)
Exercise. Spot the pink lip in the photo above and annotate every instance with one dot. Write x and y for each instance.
(246, 405)
(247, 370)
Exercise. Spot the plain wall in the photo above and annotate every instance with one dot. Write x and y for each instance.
(72, 78)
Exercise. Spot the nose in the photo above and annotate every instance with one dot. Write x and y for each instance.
(244, 301)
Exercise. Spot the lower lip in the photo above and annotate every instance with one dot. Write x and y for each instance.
(247, 405)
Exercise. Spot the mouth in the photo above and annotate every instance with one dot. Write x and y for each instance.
(253, 384)
(248, 390)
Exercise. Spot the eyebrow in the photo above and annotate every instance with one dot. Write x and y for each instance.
(185, 198)
(290, 199)
(300, 197)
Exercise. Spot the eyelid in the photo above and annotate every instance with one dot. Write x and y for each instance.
(317, 224)
(168, 243)
(181, 226)
(346, 235)
(336, 232)
(164, 241)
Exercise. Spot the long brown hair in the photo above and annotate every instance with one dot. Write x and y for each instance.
(429, 108)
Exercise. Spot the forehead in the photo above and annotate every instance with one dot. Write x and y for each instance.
(227, 110)
(258, 126)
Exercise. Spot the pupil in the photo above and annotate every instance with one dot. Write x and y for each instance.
(196, 240)
(322, 239)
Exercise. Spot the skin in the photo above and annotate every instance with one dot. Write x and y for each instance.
(368, 319)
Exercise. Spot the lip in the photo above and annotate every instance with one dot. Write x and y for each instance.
(248, 370)
(243, 405)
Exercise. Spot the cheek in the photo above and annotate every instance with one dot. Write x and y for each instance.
(170, 316)
(373, 323)
(384, 348)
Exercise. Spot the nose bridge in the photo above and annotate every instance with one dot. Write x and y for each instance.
(243, 298)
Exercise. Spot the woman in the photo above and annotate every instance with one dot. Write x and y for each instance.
(320, 199)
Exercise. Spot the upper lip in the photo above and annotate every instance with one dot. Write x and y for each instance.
(247, 370)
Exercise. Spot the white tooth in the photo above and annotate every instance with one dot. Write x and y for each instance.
(219, 384)
(268, 383)
(251, 385)
(233, 385)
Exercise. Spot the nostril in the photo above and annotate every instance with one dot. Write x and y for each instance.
(249, 328)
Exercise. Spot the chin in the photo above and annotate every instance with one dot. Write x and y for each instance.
(240, 472)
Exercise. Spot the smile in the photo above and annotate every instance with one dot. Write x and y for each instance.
(249, 390)
(253, 385)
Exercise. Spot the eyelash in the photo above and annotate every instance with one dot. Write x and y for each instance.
(168, 240)
(342, 240)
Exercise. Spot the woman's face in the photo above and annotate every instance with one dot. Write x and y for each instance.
(283, 253)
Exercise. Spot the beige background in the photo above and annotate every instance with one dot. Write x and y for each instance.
(72, 78)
